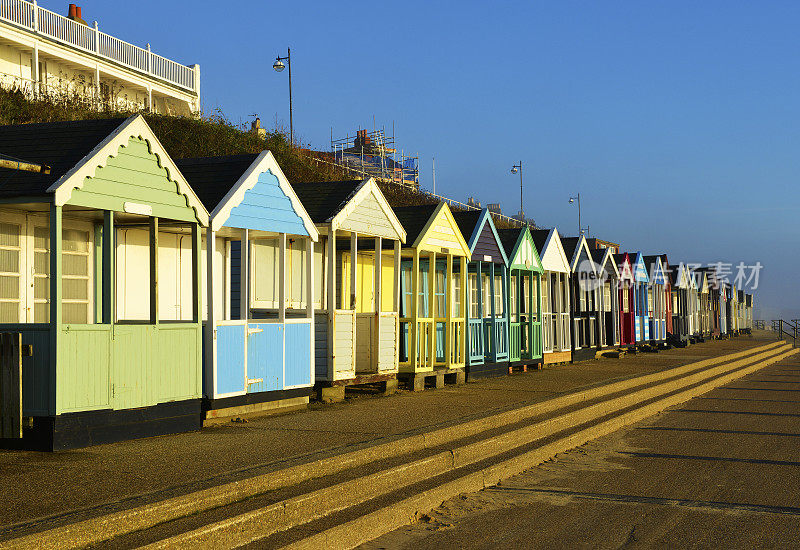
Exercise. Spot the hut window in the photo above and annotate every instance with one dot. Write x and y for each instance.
(264, 268)
(582, 295)
(474, 309)
(456, 297)
(528, 287)
(485, 297)
(423, 291)
(512, 294)
(133, 274)
(626, 308)
(607, 296)
(545, 294)
(441, 292)
(650, 299)
(10, 280)
(405, 289)
(498, 295)
(76, 276)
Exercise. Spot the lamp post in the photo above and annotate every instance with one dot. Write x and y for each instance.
(279, 66)
(572, 200)
(514, 169)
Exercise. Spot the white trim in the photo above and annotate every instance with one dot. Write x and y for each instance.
(609, 256)
(265, 162)
(134, 126)
(559, 263)
(369, 186)
(577, 254)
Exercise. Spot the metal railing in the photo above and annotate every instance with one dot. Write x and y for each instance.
(788, 329)
(41, 21)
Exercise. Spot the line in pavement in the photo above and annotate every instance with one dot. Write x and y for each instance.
(716, 431)
(750, 399)
(759, 389)
(735, 412)
(764, 461)
(635, 499)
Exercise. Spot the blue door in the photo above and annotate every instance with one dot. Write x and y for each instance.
(264, 357)
(230, 359)
(298, 354)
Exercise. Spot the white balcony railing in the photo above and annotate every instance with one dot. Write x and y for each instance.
(56, 27)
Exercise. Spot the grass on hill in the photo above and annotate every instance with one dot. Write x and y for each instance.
(206, 136)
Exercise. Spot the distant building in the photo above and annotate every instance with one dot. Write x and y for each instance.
(600, 244)
(42, 52)
(494, 207)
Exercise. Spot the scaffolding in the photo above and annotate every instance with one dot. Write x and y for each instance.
(375, 154)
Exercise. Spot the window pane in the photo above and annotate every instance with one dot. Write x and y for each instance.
(41, 238)
(73, 264)
(9, 261)
(75, 289)
(75, 241)
(74, 313)
(41, 313)
(9, 234)
(9, 286)
(9, 312)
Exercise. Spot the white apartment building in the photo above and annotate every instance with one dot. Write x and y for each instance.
(42, 52)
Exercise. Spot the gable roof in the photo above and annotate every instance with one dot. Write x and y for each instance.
(59, 145)
(550, 250)
(75, 150)
(512, 240)
(334, 206)
(323, 200)
(414, 219)
(221, 183)
(603, 257)
(472, 224)
(638, 267)
(573, 247)
(623, 262)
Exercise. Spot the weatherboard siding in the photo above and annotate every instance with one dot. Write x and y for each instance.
(486, 245)
(266, 207)
(368, 218)
(134, 175)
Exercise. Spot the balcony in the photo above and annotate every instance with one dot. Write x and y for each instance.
(55, 27)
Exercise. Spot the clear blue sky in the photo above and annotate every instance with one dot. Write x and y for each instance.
(676, 121)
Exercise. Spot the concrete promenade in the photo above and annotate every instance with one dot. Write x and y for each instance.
(42, 490)
(719, 471)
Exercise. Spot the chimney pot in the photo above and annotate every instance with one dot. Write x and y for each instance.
(73, 11)
(78, 12)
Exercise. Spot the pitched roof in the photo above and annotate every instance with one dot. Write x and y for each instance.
(466, 221)
(598, 254)
(539, 238)
(322, 200)
(414, 219)
(569, 244)
(60, 145)
(212, 177)
(508, 238)
(649, 261)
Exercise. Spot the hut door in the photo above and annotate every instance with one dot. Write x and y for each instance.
(10, 385)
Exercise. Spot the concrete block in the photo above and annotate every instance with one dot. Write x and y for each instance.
(390, 386)
(332, 394)
(461, 377)
(439, 380)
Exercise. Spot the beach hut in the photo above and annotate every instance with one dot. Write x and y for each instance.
(741, 310)
(107, 309)
(681, 317)
(641, 306)
(667, 292)
(259, 249)
(524, 296)
(656, 297)
(733, 310)
(356, 321)
(584, 299)
(433, 340)
(608, 291)
(487, 288)
(627, 322)
(704, 302)
(556, 337)
(748, 304)
(724, 325)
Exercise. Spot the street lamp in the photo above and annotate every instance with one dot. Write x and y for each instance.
(279, 66)
(571, 201)
(514, 169)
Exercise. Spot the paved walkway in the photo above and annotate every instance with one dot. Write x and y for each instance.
(719, 471)
(100, 479)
